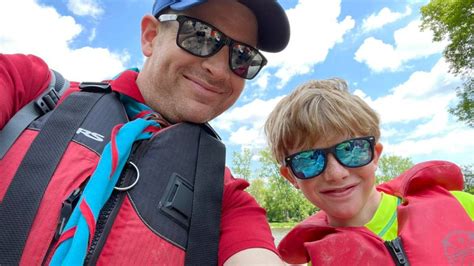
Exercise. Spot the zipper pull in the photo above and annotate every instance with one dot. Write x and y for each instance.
(395, 247)
(66, 211)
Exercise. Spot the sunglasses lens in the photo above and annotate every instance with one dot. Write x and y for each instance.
(354, 153)
(203, 40)
(198, 38)
(308, 164)
(246, 61)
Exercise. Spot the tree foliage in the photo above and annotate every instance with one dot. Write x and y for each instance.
(464, 110)
(454, 20)
(242, 164)
(282, 201)
(391, 166)
(468, 171)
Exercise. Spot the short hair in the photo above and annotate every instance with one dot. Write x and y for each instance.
(316, 111)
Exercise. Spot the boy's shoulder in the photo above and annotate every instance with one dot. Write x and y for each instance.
(423, 176)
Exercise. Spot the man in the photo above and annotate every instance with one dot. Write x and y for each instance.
(199, 54)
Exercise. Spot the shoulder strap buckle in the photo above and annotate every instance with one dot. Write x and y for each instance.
(101, 87)
(47, 101)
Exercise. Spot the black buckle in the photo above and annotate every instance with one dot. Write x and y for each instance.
(177, 201)
(47, 101)
(396, 250)
(95, 87)
(66, 211)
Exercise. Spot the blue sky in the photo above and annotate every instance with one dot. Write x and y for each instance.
(375, 45)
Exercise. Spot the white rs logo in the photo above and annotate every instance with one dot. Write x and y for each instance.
(90, 134)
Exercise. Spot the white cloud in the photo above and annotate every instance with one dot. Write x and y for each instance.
(248, 137)
(452, 146)
(85, 8)
(422, 96)
(410, 43)
(92, 35)
(415, 121)
(245, 123)
(42, 31)
(315, 29)
(414, 117)
(383, 17)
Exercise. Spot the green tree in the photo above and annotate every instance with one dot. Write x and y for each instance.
(258, 189)
(391, 166)
(464, 110)
(454, 20)
(242, 164)
(468, 171)
(283, 202)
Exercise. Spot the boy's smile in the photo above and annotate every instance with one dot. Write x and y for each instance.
(341, 192)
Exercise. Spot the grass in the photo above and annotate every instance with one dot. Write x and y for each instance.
(286, 225)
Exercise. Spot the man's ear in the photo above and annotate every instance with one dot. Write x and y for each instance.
(149, 27)
(377, 152)
(285, 172)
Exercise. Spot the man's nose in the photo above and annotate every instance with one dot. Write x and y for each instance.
(218, 64)
(334, 171)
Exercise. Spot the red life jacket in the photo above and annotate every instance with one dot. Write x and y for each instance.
(148, 225)
(433, 227)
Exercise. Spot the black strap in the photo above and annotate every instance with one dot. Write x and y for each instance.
(36, 108)
(179, 194)
(21, 201)
(204, 231)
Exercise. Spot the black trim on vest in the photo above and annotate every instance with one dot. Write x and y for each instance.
(186, 162)
(179, 193)
(36, 108)
(21, 202)
(189, 158)
(94, 132)
(110, 210)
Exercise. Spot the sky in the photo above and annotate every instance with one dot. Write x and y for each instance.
(376, 45)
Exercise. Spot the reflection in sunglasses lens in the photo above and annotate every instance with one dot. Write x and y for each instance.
(203, 40)
(352, 153)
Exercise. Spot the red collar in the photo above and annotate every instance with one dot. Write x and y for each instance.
(126, 84)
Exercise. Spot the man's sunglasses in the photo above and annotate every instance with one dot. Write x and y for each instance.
(201, 39)
(350, 153)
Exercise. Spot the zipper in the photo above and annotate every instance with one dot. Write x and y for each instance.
(395, 248)
(102, 221)
(111, 206)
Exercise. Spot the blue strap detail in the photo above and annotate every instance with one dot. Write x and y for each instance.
(100, 186)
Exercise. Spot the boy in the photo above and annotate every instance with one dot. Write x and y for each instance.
(327, 143)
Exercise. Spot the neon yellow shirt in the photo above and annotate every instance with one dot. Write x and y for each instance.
(385, 225)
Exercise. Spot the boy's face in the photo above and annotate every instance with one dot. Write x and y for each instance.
(347, 195)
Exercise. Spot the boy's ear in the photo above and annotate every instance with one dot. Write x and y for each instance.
(285, 172)
(149, 28)
(378, 152)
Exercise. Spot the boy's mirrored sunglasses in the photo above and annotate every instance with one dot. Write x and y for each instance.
(350, 153)
(201, 39)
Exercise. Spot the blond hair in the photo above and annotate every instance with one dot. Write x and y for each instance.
(316, 111)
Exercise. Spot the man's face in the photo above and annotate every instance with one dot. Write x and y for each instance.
(347, 195)
(184, 87)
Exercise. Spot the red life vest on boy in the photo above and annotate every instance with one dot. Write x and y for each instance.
(433, 227)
